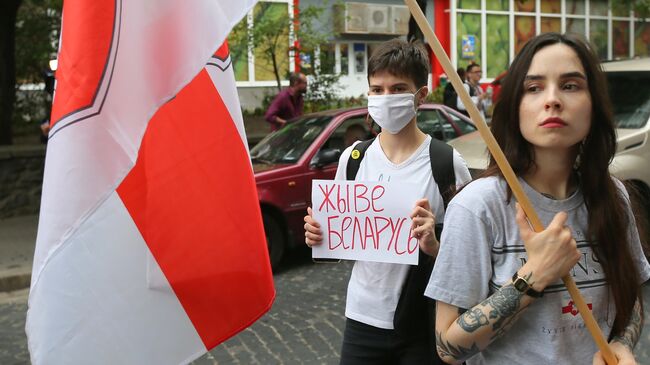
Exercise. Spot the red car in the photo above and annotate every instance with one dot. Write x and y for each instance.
(286, 161)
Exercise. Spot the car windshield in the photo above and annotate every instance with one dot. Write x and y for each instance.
(290, 142)
(630, 92)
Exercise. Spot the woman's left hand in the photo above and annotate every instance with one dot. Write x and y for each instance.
(423, 227)
(622, 353)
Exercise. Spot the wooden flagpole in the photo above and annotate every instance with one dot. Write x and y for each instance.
(507, 171)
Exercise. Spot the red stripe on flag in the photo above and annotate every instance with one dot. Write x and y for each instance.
(193, 197)
(88, 27)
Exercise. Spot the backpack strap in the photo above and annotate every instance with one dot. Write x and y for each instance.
(354, 161)
(442, 167)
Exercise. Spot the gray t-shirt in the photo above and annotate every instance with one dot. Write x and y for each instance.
(480, 251)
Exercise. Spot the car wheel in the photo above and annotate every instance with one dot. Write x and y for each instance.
(274, 239)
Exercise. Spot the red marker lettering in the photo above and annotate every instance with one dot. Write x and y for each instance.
(360, 196)
(327, 202)
(330, 232)
(370, 233)
(377, 192)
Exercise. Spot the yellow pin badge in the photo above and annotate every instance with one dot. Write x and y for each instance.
(355, 154)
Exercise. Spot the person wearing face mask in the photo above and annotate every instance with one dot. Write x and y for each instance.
(397, 80)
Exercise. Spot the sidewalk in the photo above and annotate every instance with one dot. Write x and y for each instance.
(17, 241)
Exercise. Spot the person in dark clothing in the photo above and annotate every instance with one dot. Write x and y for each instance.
(288, 103)
(450, 95)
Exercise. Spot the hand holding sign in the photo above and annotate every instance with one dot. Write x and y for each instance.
(423, 227)
(367, 221)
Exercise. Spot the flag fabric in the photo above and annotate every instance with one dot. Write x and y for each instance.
(150, 243)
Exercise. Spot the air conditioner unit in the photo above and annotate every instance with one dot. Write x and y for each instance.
(400, 16)
(379, 20)
(356, 18)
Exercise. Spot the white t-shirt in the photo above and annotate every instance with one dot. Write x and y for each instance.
(375, 287)
(480, 251)
(482, 105)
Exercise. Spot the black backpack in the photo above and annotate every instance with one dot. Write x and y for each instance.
(449, 96)
(412, 303)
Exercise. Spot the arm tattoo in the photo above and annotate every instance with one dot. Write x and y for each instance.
(446, 349)
(631, 333)
(472, 320)
(505, 303)
(503, 309)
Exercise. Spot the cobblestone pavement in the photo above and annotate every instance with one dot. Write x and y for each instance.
(303, 327)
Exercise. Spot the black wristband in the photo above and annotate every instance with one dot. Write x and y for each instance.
(524, 287)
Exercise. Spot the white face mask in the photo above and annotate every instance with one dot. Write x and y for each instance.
(392, 111)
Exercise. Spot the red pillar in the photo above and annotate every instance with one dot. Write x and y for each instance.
(296, 42)
(442, 28)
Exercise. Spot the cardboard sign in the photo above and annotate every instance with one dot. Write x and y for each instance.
(366, 221)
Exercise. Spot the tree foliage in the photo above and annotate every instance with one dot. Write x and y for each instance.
(268, 36)
(38, 26)
(28, 40)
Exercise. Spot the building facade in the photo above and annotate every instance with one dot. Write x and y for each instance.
(487, 32)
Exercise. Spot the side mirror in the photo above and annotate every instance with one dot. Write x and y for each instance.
(325, 156)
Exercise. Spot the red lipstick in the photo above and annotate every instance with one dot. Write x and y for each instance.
(553, 122)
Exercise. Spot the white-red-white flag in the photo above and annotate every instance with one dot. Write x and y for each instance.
(150, 244)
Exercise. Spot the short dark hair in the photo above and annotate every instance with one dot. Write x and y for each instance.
(461, 72)
(471, 66)
(294, 77)
(401, 58)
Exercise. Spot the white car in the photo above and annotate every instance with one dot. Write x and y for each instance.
(629, 89)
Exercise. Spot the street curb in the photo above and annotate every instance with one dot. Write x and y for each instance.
(15, 279)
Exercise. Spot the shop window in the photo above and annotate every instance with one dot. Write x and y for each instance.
(327, 59)
(525, 5)
(469, 4)
(468, 39)
(598, 7)
(641, 39)
(551, 6)
(498, 39)
(598, 37)
(576, 26)
(360, 58)
(575, 7)
(550, 25)
(524, 30)
(620, 9)
(621, 39)
(345, 58)
(499, 5)
(307, 61)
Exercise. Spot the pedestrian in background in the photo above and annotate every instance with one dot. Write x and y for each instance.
(449, 96)
(481, 99)
(496, 281)
(288, 103)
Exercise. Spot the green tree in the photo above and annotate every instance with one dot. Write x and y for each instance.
(268, 36)
(8, 12)
(28, 40)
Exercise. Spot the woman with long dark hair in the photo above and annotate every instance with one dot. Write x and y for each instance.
(497, 282)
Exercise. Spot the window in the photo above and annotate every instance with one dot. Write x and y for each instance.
(351, 130)
(463, 126)
(492, 32)
(435, 125)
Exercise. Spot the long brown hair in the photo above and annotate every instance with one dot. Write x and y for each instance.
(608, 217)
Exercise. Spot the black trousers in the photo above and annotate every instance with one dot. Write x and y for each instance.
(367, 345)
